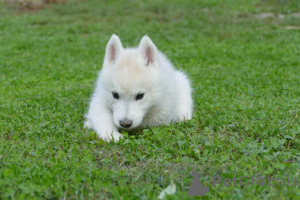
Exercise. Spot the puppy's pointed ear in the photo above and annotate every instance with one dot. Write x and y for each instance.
(148, 51)
(114, 49)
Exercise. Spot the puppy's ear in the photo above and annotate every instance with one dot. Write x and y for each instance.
(114, 49)
(148, 51)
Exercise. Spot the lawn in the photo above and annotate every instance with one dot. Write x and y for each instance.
(243, 59)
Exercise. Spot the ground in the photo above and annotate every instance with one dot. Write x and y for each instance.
(243, 61)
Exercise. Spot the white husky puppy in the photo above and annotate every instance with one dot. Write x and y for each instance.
(137, 87)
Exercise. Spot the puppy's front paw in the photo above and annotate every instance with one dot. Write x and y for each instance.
(114, 135)
(87, 124)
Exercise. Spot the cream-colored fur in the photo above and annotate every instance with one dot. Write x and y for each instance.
(127, 73)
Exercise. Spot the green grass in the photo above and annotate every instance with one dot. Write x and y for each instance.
(245, 71)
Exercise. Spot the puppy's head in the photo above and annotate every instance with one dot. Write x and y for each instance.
(131, 81)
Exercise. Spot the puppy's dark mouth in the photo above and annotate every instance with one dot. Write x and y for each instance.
(127, 129)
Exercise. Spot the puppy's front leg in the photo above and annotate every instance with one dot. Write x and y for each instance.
(100, 119)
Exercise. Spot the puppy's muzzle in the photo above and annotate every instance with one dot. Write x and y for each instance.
(125, 123)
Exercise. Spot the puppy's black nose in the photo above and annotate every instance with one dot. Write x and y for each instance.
(125, 123)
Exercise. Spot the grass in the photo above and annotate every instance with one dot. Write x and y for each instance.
(27, 5)
(245, 71)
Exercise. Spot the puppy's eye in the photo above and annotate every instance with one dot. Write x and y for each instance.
(139, 96)
(115, 95)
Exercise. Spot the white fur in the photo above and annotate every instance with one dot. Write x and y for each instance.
(128, 72)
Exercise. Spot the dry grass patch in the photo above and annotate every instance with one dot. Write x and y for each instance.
(23, 5)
